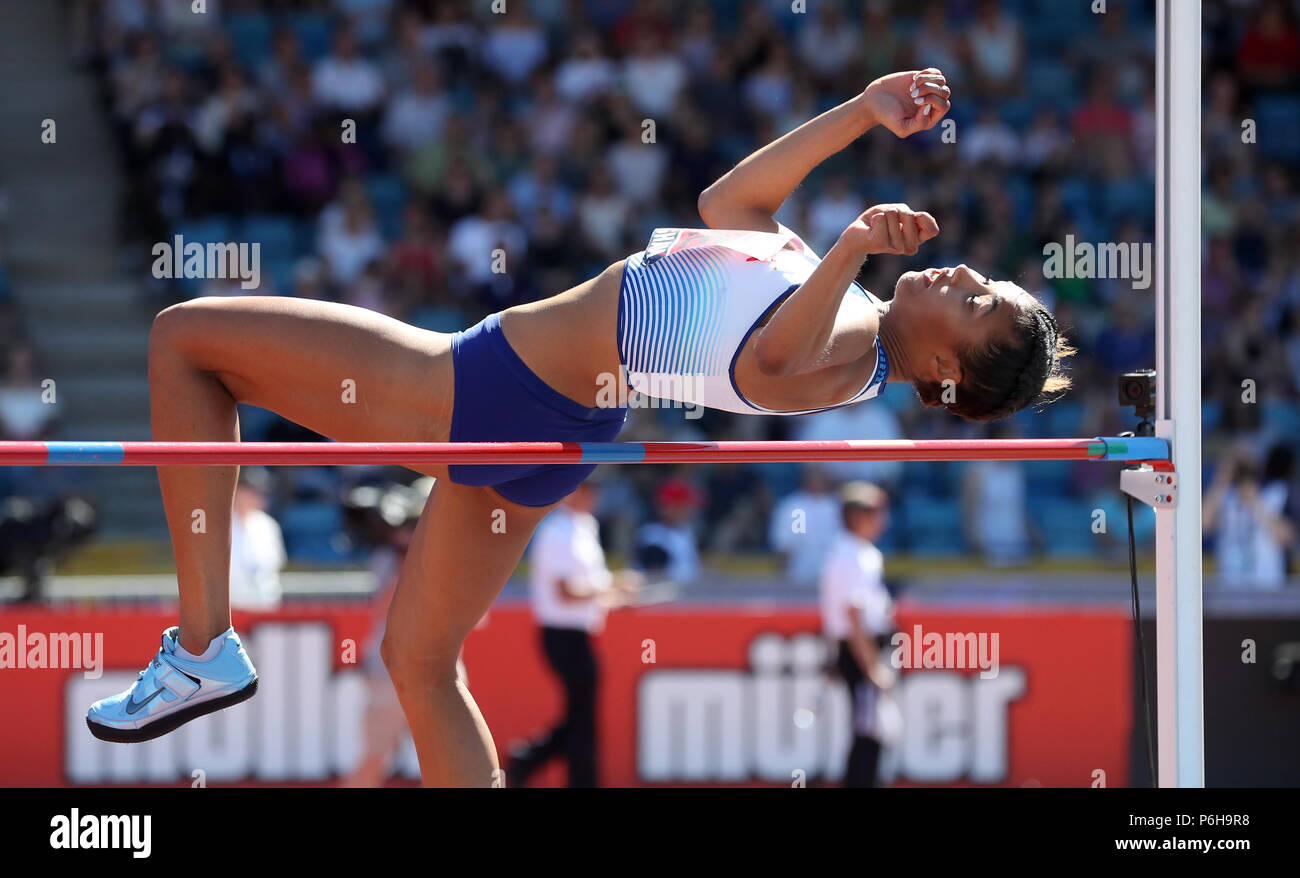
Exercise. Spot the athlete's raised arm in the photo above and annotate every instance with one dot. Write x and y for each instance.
(802, 334)
(749, 195)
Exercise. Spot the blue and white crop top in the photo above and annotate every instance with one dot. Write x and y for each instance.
(690, 301)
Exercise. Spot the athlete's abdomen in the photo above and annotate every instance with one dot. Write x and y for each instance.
(570, 339)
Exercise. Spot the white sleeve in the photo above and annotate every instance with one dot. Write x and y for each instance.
(785, 230)
(834, 581)
(553, 558)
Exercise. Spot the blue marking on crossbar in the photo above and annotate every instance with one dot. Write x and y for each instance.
(85, 452)
(612, 452)
(1135, 448)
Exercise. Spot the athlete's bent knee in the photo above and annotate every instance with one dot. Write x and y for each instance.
(414, 664)
(176, 323)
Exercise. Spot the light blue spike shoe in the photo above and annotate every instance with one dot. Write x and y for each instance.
(172, 690)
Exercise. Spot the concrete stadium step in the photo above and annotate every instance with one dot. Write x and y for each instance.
(88, 319)
(121, 350)
(102, 397)
(128, 502)
(132, 427)
(91, 297)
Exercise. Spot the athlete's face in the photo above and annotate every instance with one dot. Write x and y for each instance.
(956, 307)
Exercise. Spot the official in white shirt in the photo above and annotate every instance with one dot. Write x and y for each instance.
(571, 591)
(857, 613)
(257, 552)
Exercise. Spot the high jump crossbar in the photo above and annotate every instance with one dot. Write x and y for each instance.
(1150, 450)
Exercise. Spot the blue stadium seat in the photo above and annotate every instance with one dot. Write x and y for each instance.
(304, 235)
(1278, 117)
(1077, 196)
(1211, 415)
(317, 484)
(438, 319)
(1130, 199)
(276, 234)
(254, 422)
(213, 229)
(1048, 478)
(919, 476)
(250, 35)
(315, 33)
(279, 276)
(204, 230)
(932, 525)
(388, 197)
(1281, 418)
(885, 190)
(312, 530)
(1066, 526)
(1062, 419)
(1018, 112)
(1029, 424)
(1049, 81)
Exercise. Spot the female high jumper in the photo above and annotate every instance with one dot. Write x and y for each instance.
(747, 320)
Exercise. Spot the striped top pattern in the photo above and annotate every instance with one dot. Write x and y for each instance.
(690, 301)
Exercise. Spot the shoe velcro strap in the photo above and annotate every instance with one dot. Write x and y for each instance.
(176, 681)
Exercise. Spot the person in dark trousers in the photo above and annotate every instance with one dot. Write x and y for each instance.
(572, 589)
(857, 612)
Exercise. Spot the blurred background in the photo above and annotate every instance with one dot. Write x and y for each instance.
(526, 130)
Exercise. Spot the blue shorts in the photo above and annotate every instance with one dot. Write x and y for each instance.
(499, 399)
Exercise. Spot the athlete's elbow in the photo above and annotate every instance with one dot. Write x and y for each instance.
(772, 360)
(707, 204)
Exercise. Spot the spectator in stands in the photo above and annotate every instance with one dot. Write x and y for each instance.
(936, 44)
(257, 552)
(991, 140)
(828, 43)
(349, 238)
(1269, 53)
(275, 73)
(1103, 125)
(137, 77)
(417, 114)
(603, 214)
(514, 46)
(1045, 146)
(995, 507)
(586, 73)
(804, 525)
(996, 50)
(857, 621)
(769, 90)
(1247, 512)
(830, 212)
(667, 548)
(550, 120)
(482, 248)
(27, 405)
(414, 272)
(345, 81)
(653, 76)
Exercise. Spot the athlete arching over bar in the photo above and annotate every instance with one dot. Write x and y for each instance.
(755, 320)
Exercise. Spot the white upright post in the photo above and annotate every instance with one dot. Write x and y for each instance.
(1179, 686)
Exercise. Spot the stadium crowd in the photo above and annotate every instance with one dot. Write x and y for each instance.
(563, 131)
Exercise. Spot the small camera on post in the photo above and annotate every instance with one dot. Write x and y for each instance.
(1137, 390)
